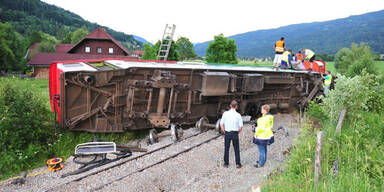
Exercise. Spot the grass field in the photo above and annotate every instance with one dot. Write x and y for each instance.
(379, 65)
(38, 86)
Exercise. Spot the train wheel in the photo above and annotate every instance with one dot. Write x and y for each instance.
(201, 124)
(174, 133)
(153, 137)
(218, 128)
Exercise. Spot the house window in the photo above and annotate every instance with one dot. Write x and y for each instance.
(99, 50)
(110, 50)
(87, 49)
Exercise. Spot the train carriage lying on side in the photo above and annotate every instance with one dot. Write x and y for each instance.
(118, 95)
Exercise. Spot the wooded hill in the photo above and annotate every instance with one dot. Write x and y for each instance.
(322, 37)
(33, 15)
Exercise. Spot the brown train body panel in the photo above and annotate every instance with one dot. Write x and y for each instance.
(142, 98)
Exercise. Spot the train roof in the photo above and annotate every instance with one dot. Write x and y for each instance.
(86, 65)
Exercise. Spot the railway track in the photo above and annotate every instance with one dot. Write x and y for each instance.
(121, 163)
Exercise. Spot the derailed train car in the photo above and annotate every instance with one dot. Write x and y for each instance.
(118, 95)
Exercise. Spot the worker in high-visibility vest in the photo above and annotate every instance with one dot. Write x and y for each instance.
(279, 49)
(263, 134)
(327, 82)
(299, 57)
(286, 59)
(310, 55)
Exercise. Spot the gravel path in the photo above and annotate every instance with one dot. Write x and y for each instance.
(200, 169)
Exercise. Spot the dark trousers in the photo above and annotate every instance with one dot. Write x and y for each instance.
(234, 137)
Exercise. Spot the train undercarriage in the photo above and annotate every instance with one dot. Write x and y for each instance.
(150, 96)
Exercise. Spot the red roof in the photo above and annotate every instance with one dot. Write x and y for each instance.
(48, 58)
(100, 33)
(63, 48)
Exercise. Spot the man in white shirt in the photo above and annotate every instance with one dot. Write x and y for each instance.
(231, 125)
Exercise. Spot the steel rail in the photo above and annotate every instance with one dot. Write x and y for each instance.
(156, 163)
(134, 158)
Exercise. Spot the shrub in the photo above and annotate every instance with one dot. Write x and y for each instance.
(358, 148)
(352, 61)
(356, 94)
(22, 114)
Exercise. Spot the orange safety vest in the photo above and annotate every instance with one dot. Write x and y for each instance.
(299, 57)
(279, 46)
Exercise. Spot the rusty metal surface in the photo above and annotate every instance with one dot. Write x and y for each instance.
(153, 96)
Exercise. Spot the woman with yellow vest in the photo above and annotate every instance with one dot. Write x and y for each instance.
(327, 81)
(279, 49)
(263, 134)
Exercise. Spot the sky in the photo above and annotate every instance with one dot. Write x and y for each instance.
(201, 20)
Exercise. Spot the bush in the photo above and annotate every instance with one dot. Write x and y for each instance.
(356, 94)
(357, 148)
(353, 61)
(22, 114)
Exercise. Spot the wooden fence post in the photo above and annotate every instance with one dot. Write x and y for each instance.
(319, 143)
(341, 119)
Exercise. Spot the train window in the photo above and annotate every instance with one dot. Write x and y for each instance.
(87, 49)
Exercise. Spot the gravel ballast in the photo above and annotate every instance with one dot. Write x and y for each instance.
(199, 169)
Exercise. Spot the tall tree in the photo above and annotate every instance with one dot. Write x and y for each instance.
(222, 50)
(185, 48)
(12, 48)
(35, 37)
(47, 47)
(67, 38)
(150, 52)
(62, 32)
(79, 34)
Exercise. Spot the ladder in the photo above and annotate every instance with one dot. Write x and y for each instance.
(166, 42)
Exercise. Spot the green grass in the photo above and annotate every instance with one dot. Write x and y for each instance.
(38, 86)
(359, 151)
(330, 66)
(63, 144)
(378, 64)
